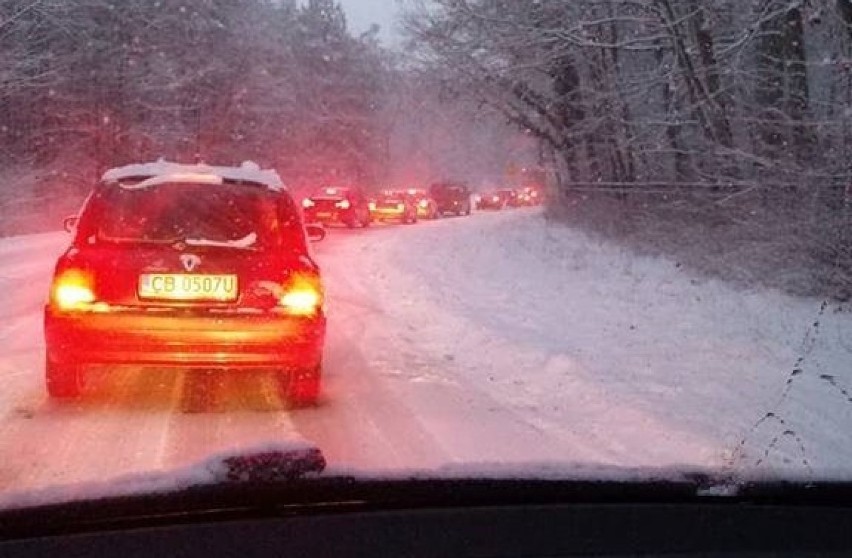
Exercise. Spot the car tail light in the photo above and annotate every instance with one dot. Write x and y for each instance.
(495, 198)
(307, 203)
(72, 289)
(372, 206)
(424, 203)
(343, 204)
(302, 297)
(400, 207)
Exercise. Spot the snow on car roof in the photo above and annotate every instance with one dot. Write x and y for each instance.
(246, 172)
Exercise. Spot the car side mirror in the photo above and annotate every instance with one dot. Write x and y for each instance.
(70, 223)
(316, 233)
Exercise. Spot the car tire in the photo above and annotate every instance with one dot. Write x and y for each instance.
(302, 387)
(63, 380)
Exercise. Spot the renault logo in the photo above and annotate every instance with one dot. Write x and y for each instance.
(190, 261)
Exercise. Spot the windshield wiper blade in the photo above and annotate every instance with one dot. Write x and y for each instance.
(271, 466)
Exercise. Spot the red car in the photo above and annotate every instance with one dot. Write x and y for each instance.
(190, 266)
(333, 204)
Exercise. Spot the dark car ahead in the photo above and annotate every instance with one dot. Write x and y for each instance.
(497, 199)
(331, 205)
(451, 198)
(189, 266)
(395, 206)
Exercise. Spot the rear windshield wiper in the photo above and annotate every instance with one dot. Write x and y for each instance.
(245, 243)
(131, 240)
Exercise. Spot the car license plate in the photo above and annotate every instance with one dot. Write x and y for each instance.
(324, 215)
(166, 286)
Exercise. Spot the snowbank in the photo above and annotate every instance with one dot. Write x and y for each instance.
(613, 358)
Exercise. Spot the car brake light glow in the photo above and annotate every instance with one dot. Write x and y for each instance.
(495, 198)
(303, 297)
(424, 203)
(343, 204)
(400, 207)
(72, 289)
(372, 206)
(307, 202)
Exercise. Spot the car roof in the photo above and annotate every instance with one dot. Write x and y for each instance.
(162, 171)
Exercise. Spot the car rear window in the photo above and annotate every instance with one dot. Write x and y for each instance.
(447, 190)
(331, 193)
(241, 216)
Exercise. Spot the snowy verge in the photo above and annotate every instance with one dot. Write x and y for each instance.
(614, 358)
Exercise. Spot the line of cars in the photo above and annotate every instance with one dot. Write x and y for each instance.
(503, 198)
(352, 207)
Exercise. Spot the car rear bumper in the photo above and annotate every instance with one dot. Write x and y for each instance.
(251, 341)
(328, 217)
(452, 207)
(388, 213)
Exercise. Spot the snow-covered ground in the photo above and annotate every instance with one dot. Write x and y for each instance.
(495, 342)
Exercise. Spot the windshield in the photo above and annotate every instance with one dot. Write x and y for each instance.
(235, 216)
(331, 193)
(634, 259)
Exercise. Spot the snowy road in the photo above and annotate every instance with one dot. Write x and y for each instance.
(493, 339)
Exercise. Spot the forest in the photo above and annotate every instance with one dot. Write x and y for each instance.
(719, 129)
(716, 131)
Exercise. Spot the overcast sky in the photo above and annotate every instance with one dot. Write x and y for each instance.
(362, 13)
